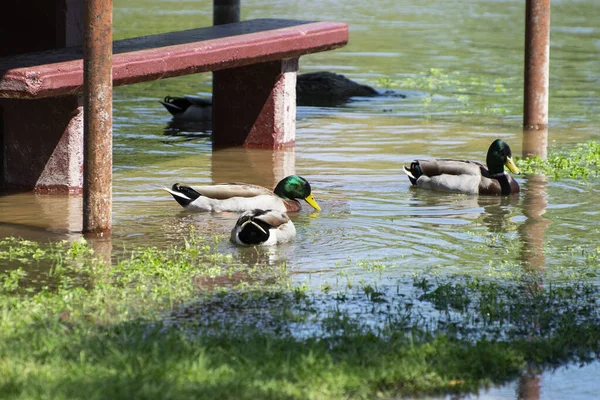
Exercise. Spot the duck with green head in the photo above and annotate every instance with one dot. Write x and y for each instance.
(239, 197)
(468, 177)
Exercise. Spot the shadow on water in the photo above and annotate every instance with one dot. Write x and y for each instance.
(188, 130)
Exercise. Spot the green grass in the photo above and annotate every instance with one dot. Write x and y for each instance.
(136, 361)
(148, 326)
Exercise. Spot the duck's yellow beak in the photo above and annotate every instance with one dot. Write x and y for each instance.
(311, 200)
(512, 166)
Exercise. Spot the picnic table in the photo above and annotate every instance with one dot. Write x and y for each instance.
(255, 63)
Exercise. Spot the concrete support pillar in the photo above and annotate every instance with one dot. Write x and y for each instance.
(255, 106)
(56, 24)
(41, 140)
(43, 144)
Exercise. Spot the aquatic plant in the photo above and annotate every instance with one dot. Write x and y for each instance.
(470, 93)
(581, 162)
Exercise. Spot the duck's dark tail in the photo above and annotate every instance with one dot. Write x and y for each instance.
(175, 105)
(184, 195)
(413, 172)
(252, 231)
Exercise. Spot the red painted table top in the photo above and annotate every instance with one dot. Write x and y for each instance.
(60, 72)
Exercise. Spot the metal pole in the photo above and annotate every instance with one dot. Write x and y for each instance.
(537, 61)
(226, 11)
(97, 125)
(535, 143)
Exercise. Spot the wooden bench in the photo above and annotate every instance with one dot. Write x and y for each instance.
(255, 63)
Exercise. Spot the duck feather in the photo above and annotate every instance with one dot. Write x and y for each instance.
(235, 189)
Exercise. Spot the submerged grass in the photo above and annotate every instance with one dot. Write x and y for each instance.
(147, 326)
(464, 93)
(582, 162)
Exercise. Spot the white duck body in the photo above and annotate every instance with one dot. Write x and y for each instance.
(263, 228)
(239, 197)
(237, 204)
(230, 197)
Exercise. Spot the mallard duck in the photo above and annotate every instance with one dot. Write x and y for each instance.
(240, 197)
(262, 227)
(320, 88)
(189, 108)
(324, 88)
(468, 177)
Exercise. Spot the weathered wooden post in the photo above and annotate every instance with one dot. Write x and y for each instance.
(537, 61)
(97, 92)
(226, 11)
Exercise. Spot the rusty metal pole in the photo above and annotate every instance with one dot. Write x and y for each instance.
(535, 143)
(226, 11)
(537, 61)
(97, 125)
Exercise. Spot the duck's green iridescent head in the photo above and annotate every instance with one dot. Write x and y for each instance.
(499, 155)
(295, 187)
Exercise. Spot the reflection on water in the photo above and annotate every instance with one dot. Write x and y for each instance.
(257, 166)
(353, 155)
(571, 382)
(528, 387)
(497, 213)
(533, 228)
(188, 130)
(40, 216)
(535, 143)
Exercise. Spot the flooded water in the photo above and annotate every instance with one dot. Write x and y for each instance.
(471, 53)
